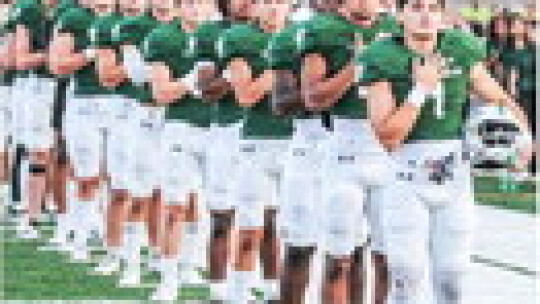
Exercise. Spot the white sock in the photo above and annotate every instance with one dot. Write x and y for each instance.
(24, 221)
(61, 226)
(190, 255)
(169, 272)
(132, 244)
(25, 176)
(71, 205)
(114, 252)
(313, 291)
(241, 282)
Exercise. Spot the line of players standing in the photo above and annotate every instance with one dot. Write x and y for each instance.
(244, 131)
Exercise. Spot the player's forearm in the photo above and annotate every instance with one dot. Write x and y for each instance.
(252, 91)
(29, 60)
(397, 126)
(62, 61)
(69, 63)
(167, 92)
(109, 67)
(328, 91)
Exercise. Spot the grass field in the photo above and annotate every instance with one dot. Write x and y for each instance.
(506, 193)
(31, 274)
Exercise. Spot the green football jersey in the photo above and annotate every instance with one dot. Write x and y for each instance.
(87, 82)
(227, 111)
(62, 6)
(99, 36)
(248, 42)
(207, 34)
(77, 21)
(350, 104)
(522, 61)
(31, 14)
(202, 47)
(322, 33)
(390, 60)
(168, 44)
(131, 31)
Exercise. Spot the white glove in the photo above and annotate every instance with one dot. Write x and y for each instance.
(134, 65)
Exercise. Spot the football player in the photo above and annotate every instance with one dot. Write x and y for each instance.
(124, 239)
(28, 28)
(302, 174)
(60, 168)
(166, 51)
(221, 155)
(250, 73)
(418, 88)
(204, 24)
(59, 172)
(183, 138)
(356, 160)
(518, 63)
(76, 46)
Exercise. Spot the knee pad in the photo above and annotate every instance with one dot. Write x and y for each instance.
(222, 225)
(37, 169)
(299, 257)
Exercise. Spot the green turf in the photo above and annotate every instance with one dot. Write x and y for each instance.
(30, 274)
(506, 192)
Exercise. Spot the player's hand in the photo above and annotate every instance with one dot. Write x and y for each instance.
(166, 93)
(210, 84)
(112, 77)
(313, 71)
(286, 92)
(109, 75)
(428, 71)
(205, 75)
(31, 60)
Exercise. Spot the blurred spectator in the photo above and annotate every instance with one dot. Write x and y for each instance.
(519, 64)
(496, 41)
(478, 17)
